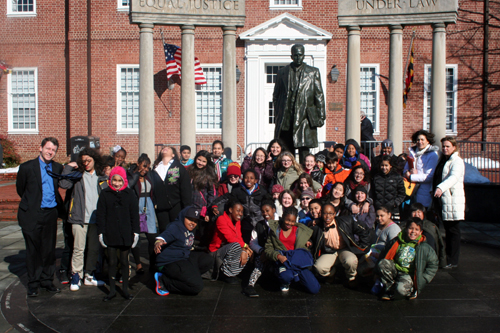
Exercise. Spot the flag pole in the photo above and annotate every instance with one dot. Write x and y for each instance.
(169, 86)
(408, 57)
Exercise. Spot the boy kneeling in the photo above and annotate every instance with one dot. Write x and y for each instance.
(408, 263)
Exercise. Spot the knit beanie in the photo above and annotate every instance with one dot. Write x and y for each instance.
(234, 169)
(320, 158)
(361, 189)
(277, 189)
(307, 193)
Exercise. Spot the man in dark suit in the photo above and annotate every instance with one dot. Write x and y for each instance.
(37, 215)
(299, 104)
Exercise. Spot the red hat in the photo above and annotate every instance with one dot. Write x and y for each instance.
(277, 189)
(234, 169)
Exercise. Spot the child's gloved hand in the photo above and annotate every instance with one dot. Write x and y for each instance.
(101, 240)
(136, 240)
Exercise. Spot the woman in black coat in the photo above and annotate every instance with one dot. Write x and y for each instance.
(171, 186)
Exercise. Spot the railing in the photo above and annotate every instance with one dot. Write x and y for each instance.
(374, 148)
(250, 147)
(485, 156)
(199, 146)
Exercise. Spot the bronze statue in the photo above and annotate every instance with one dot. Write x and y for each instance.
(299, 104)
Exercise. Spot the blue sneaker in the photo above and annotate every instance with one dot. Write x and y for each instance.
(75, 282)
(159, 290)
(377, 287)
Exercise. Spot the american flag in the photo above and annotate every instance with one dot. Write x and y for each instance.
(173, 56)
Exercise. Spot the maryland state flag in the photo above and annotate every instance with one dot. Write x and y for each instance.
(409, 77)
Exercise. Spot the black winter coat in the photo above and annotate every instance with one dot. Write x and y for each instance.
(118, 216)
(174, 190)
(348, 227)
(317, 175)
(388, 190)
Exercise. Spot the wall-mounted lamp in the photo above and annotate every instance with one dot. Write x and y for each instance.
(238, 74)
(334, 73)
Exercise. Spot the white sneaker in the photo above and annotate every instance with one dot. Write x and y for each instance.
(75, 282)
(90, 280)
(285, 287)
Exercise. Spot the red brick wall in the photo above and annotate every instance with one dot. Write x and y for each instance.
(39, 42)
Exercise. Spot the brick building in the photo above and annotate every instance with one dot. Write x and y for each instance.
(75, 72)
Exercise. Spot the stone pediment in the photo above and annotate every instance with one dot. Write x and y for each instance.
(286, 27)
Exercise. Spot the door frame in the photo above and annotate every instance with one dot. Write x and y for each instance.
(258, 55)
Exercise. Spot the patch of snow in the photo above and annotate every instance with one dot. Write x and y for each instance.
(483, 162)
(10, 170)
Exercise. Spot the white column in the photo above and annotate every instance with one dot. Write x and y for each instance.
(229, 124)
(146, 92)
(188, 94)
(438, 81)
(395, 117)
(352, 119)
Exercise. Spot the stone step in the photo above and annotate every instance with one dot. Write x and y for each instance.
(9, 205)
(8, 216)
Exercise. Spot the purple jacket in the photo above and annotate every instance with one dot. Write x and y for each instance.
(265, 174)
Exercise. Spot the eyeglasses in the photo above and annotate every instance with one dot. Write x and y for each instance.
(87, 161)
(286, 161)
(306, 199)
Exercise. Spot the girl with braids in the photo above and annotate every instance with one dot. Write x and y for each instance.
(139, 179)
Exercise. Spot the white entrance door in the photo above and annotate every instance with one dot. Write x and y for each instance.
(267, 109)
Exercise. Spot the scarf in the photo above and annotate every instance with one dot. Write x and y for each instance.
(421, 152)
(349, 162)
(250, 191)
(217, 163)
(73, 176)
(353, 185)
(391, 254)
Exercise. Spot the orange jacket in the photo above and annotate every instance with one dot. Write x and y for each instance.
(339, 175)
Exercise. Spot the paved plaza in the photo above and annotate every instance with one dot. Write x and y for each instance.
(465, 299)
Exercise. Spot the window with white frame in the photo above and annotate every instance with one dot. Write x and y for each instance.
(128, 99)
(451, 97)
(271, 76)
(22, 100)
(21, 7)
(285, 4)
(370, 94)
(123, 5)
(209, 100)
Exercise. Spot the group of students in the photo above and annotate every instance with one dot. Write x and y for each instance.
(210, 218)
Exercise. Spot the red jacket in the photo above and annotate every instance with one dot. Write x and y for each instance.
(225, 233)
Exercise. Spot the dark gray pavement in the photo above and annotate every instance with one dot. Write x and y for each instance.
(465, 299)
